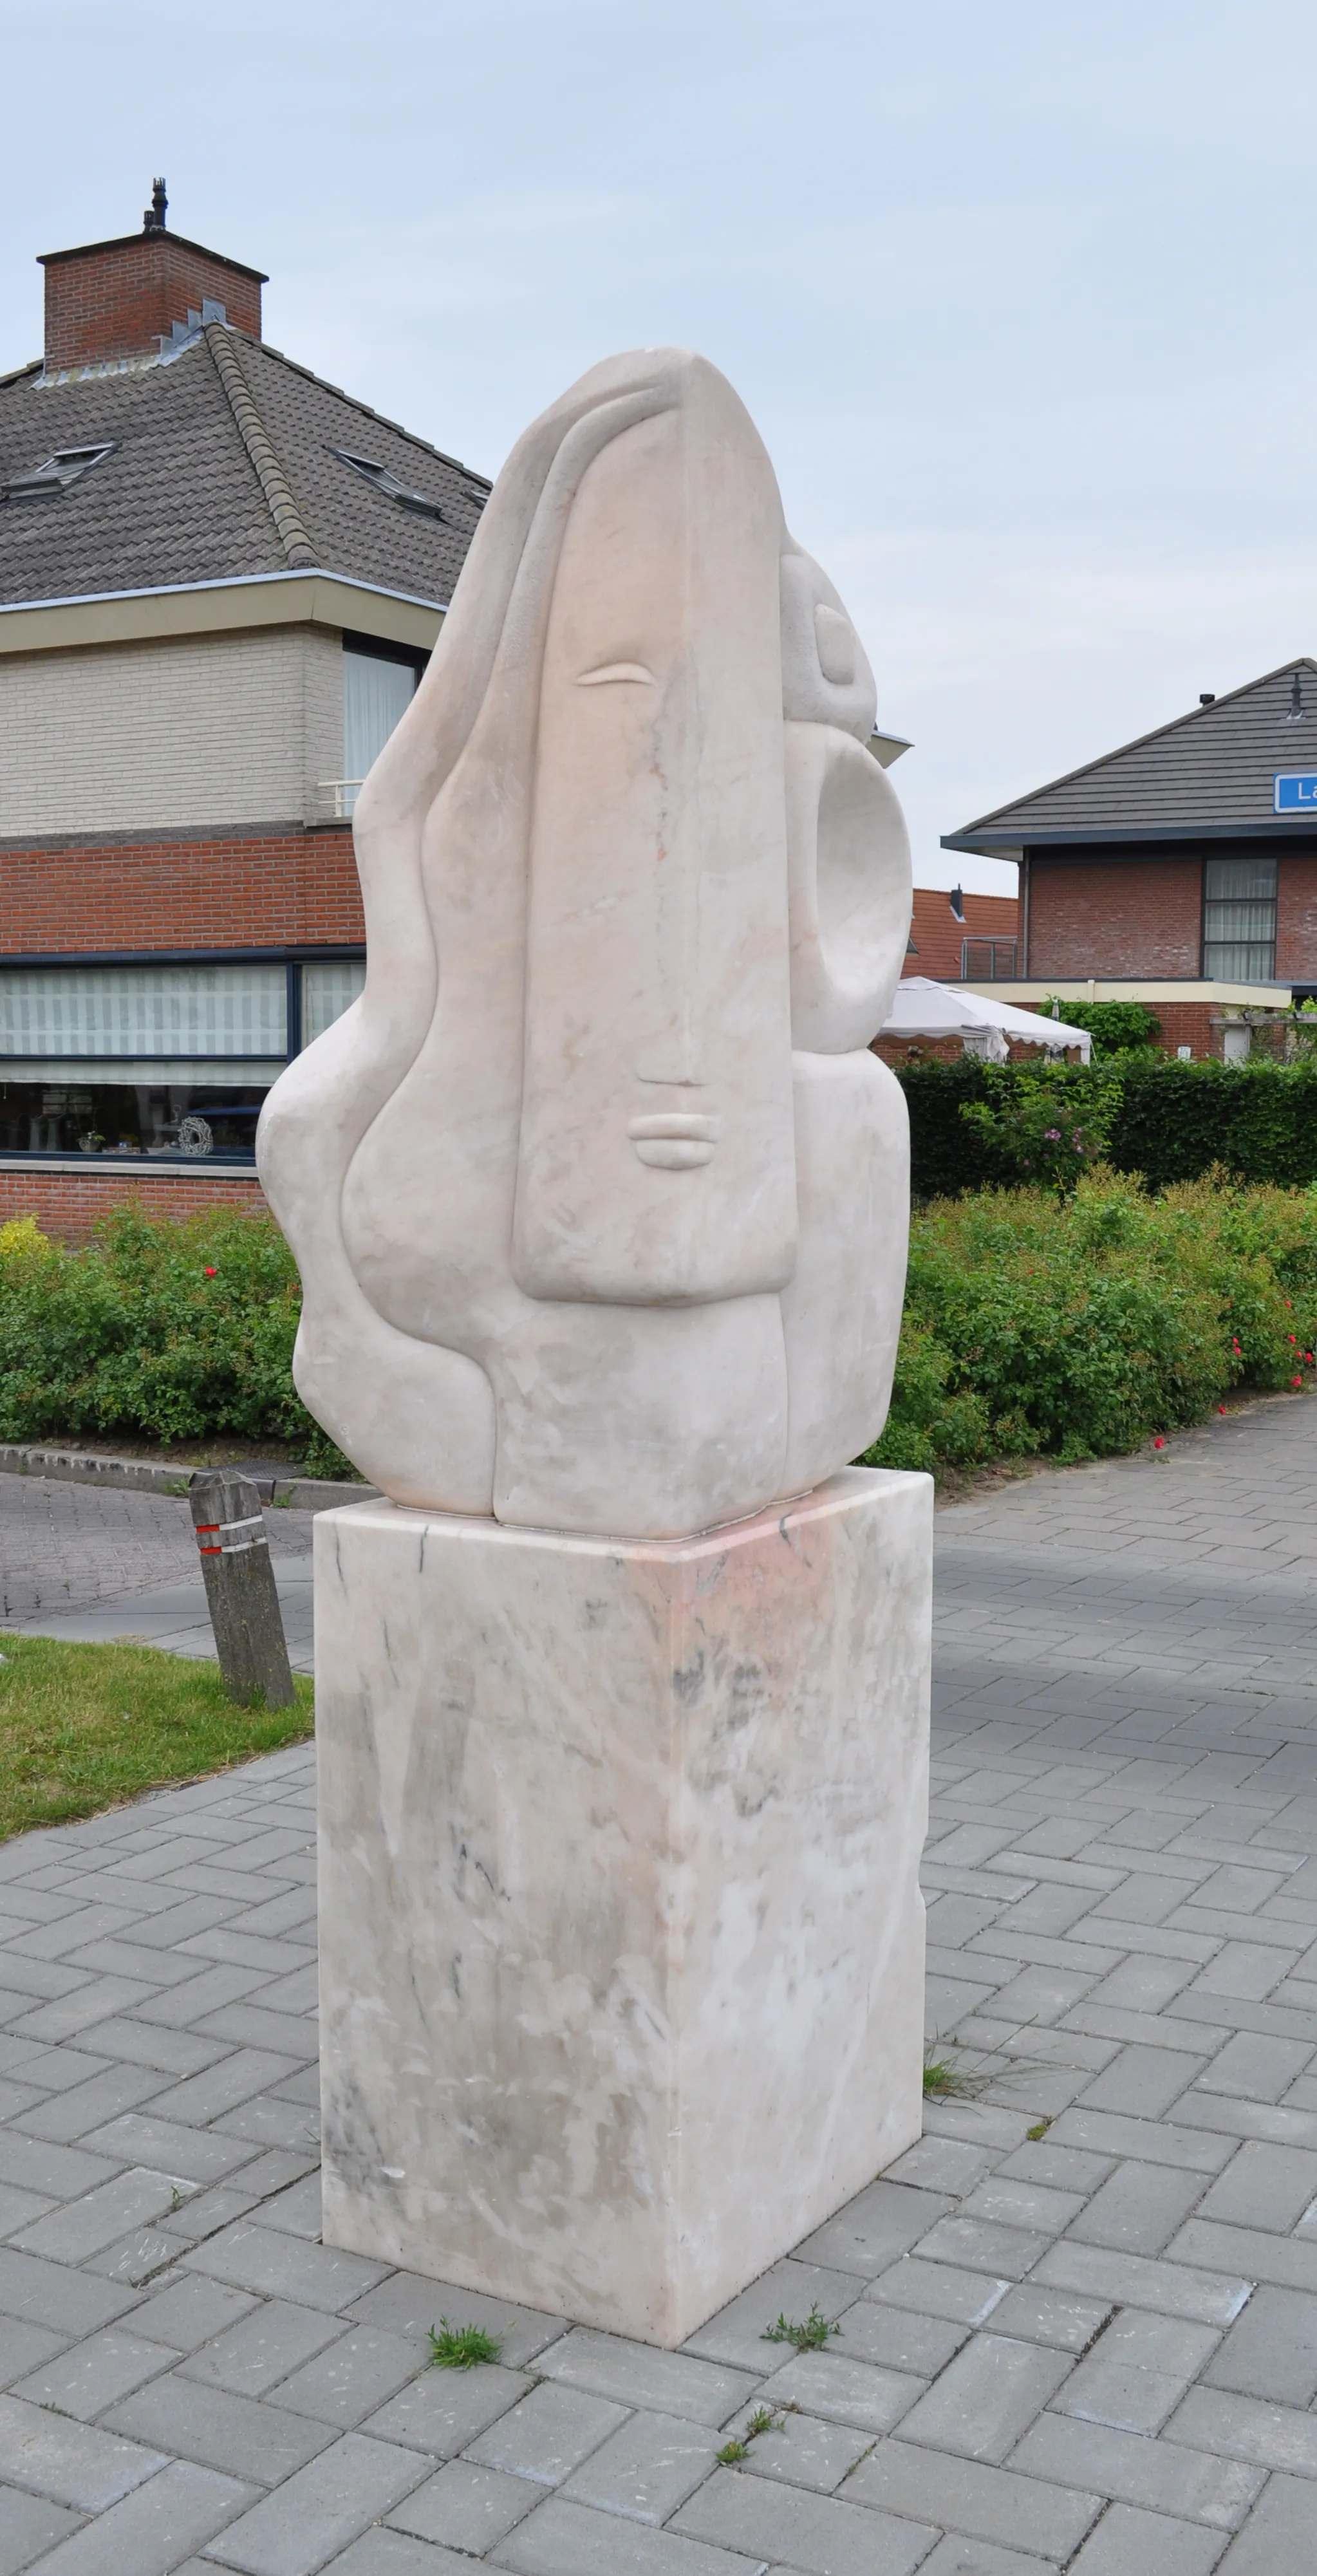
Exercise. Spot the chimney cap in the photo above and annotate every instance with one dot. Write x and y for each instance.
(956, 899)
(1207, 697)
(127, 241)
(153, 221)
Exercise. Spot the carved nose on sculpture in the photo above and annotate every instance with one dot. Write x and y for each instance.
(675, 1140)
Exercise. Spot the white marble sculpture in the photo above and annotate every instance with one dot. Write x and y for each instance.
(598, 1195)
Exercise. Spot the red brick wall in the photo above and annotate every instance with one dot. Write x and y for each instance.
(1296, 919)
(117, 299)
(236, 890)
(67, 1204)
(1138, 917)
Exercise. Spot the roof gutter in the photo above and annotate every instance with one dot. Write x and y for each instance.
(297, 597)
(1012, 844)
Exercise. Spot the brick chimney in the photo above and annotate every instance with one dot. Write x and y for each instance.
(132, 297)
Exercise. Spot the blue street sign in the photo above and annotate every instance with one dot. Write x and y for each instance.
(1295, 791)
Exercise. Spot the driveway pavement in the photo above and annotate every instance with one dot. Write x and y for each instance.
(1078, 2321)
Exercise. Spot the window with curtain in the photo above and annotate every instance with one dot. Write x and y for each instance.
(1239, 920)
(327, 992)
(376, 694)
(159, 1060)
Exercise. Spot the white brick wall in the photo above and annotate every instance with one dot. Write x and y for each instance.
(206, 729)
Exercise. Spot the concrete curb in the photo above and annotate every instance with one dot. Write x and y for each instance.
(146, 1476)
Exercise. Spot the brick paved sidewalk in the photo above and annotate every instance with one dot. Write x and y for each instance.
(89, 1561)
(1093, 2348)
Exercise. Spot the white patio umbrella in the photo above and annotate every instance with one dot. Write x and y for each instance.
(923, 1009)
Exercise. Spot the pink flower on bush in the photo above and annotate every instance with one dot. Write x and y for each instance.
(1159, 1443)
(210, 1274)
(1051, 1135)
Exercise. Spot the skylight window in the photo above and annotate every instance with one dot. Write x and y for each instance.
(389, 485)
(45, 482)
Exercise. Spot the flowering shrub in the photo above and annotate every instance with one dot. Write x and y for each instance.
(1041, 1132)
(156, 1330)
(1078, 1325)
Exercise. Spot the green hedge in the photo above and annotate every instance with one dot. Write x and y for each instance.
(161, 1331)
(1169, 1121)
(1076, 1327)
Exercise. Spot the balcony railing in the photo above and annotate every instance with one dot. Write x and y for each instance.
(988, 961)
(335, 798)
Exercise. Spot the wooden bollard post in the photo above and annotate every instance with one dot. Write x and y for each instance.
(240, 1587)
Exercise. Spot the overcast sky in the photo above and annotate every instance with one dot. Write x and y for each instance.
(1020, 297)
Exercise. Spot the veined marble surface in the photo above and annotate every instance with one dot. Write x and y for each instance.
(622, 1943)
(598, 1197)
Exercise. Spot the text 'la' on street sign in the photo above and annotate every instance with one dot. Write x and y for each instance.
(1296, 791)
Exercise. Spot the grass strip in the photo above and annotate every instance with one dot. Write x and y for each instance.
(85, 1727)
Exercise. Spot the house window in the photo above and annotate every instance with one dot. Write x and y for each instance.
(1239, 920)
(378, 688)
(158, 1059)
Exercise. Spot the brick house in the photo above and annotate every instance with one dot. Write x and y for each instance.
(962, 938)
(1180, 871)
(219, 581)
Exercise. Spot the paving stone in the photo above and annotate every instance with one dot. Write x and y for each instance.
(84, 2227)
(353, 2377)
(54, 2296)
(74, 2464)
(1278, 2533)
(30, 2524)
(956, 2557)
(939, 2290)
(843, 2389)
(547, 2433)
(898, 2340)
(1169, 2142)
(647, 2468)
(1143, 2081)
(986, 2397)
(322, 2508)
(408, 2303)
(283, 2267)
(1129, 2542)
(802, 2451)
(980, 2245)
(736, 2334)
(1012, 2201)
(1256, 2068)
(639, 2374)
(1137, 2372)
(147, 2533)
(90, 2376)
(188, 2311)
(1289, 2261)
(1138, 2209)
(469, 2508)
(819, 2535)
(966, 2496)
(383, 2553)
(1248, 2428)
(443, 2410)
(562, 2539)
(267, 2343)
(881, 2222)
(942, 2165)
(1164, 2475)
(167, 2146)
(1271, 2350)
(1264, 2186)
(39, 2165)
(1034, 2315)
(240, 2435)
(1175, 2289)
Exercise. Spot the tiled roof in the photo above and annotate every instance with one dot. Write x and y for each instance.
(937, 938)
(1212, 771)
(189, 495)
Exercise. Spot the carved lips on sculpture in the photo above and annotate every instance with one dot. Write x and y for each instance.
(598, 1194)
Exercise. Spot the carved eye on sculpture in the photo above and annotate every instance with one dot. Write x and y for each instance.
(848, 862)
(826, 677)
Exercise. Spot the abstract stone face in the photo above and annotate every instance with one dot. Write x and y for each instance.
(598, 1195)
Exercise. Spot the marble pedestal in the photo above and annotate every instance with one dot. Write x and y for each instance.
(622, 1943)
